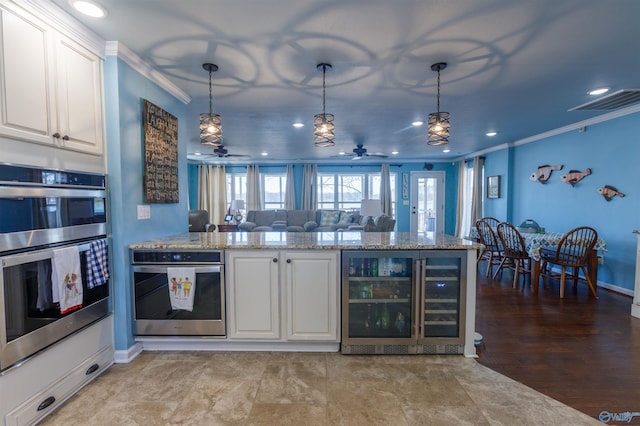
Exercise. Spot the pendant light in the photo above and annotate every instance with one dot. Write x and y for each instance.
(323, 127)
(438, 122)
(210, 123)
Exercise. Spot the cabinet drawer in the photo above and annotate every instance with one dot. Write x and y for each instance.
(46, 401)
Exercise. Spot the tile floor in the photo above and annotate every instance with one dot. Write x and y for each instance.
(282, 388)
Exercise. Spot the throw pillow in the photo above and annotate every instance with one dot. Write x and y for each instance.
(329, 217)
(346, 217)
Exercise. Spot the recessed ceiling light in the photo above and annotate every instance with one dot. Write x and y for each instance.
(89, 8)
(264, 154)
(417, 123)
(341, 153)
(446, 150)
(492, 133)
(298, 125)
(197, 153)
(394, 152)
(599, 91)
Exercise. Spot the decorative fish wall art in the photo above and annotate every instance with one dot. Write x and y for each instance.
(608, 192)
(575, 176)
(543, 173)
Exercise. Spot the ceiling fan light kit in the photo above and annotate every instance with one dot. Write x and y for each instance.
(438, 122)
(323, 127)
(210, 123)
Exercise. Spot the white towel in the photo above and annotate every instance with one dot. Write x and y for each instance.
(66, 279)
(182, 287)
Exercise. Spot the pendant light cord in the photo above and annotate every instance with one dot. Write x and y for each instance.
(211, 94)
(324, 73)
(438, 97)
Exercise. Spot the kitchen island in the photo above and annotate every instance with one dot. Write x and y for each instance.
(284, 291)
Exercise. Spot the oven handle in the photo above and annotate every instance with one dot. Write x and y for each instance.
(162, 269)
(34, 256)
(21, 192)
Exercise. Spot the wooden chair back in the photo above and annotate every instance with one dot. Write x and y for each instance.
(487, 236)
(492, 221)
(512, 242)
(575, 246)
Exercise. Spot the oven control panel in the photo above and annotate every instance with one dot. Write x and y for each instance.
(182, 257)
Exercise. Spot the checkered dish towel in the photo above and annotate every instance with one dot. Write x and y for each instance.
(97, 264)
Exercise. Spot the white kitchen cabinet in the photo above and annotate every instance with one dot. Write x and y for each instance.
(312, 295)
(305, 283)
(50, 86)
(253, 290)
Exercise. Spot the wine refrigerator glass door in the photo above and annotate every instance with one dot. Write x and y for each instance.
(378, 297)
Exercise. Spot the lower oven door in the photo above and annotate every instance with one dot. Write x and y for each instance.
(154, 315)
(31, 320)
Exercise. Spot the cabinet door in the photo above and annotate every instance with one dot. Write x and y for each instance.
(312, 295)
(254, 294)
(26, 92)
(79, 79)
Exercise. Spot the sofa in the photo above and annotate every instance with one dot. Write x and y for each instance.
(199, 221)
(310, 221)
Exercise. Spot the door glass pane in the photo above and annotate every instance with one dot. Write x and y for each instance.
(427, 191)
(380, 297)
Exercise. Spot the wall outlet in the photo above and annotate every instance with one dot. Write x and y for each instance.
(144, 212)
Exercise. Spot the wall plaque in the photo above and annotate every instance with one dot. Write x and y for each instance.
(160, 155)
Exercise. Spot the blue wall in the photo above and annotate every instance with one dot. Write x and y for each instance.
(124, 90)
(403, 214)
(611, 150)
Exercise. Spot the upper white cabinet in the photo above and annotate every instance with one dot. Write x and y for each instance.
(50, 86)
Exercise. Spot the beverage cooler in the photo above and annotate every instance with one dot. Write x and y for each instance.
(403, 302)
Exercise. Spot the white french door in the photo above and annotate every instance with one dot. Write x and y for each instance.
(427, 202)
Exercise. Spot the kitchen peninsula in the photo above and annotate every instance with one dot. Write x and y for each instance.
(359, 292)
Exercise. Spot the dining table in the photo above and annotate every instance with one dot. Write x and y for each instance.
(535, 241)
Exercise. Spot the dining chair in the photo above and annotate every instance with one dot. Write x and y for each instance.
(515, 252)
(492, 251)
(492, 221)
(572, 252)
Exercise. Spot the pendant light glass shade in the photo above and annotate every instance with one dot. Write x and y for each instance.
(210, 123)
(323, 127)
(438, 122)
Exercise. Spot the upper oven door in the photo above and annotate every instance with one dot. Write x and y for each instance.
(35, 216)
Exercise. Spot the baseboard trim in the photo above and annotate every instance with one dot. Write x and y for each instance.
(126, 356)
(189, 344)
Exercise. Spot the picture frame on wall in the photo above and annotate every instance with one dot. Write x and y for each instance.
(493, 187)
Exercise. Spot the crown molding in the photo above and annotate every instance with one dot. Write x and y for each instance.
(555, 132)
(116, 48)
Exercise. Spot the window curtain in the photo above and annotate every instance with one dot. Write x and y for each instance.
(465, 197)
(385, 190)
(290, 190)
(254, 192)
(310, 187)
(476, 198)
(212, 195)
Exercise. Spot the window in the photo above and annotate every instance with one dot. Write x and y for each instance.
(342, 191)
(273, 189)
(236, 187)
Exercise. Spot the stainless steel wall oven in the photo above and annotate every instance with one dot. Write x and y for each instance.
(44, 212)
(154, 313)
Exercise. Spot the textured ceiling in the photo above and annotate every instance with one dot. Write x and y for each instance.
(515, 67)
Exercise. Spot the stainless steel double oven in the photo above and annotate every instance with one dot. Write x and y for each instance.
(42, 211)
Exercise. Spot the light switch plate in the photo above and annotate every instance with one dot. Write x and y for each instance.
(144, 212)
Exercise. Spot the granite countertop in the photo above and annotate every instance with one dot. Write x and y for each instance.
(309, 240)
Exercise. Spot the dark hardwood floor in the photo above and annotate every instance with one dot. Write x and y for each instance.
(578, 350)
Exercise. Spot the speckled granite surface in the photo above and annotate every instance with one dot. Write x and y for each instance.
(309, 240)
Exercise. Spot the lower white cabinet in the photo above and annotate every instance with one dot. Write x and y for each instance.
(283, 295)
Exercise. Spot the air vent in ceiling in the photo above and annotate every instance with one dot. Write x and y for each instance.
(619, 99)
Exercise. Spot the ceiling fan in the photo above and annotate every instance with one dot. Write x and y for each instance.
(218, 152)
(359, 152)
